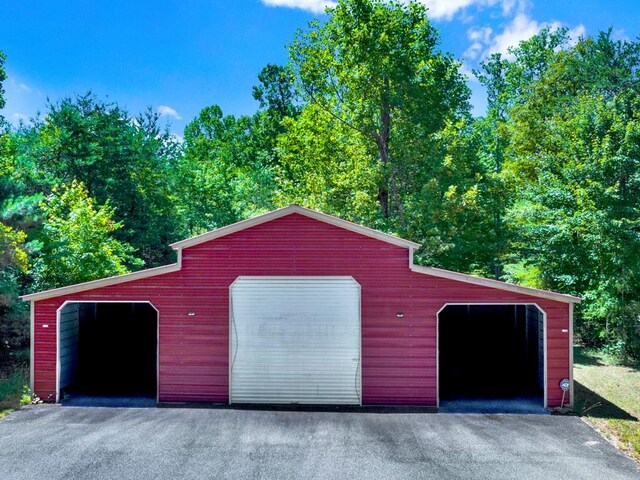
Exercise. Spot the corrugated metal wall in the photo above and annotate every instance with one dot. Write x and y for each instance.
(69, 319)
(535, 320)
(398, 354)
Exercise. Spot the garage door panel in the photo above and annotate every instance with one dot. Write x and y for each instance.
(295, 340)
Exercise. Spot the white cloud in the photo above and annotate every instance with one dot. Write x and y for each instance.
(17, 117)
(474, 50)
(620, 35)
(480, 34)
(177, 138)
(576, 33)
(484, 41)
(19, 86)
(480, 38)
(314, 6)
(438, 9)
(166, 111)
(447, 9)
(520, 28)
(509, 5)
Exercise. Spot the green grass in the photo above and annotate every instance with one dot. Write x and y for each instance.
(14, 391)
(608, 398)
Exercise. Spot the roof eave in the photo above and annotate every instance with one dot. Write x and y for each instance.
(497, 284)
(101, 283)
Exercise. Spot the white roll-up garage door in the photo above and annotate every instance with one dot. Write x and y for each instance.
(295, 340)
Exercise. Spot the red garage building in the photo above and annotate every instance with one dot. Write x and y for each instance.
(296, 306)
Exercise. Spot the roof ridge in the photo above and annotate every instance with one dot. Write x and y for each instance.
(288, 210)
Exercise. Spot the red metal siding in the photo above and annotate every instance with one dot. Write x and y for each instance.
(398, 354)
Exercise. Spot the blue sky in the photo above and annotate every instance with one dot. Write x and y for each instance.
(180, 56)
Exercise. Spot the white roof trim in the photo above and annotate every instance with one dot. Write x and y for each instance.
(103, 282)
(323, 217)
(487, 282)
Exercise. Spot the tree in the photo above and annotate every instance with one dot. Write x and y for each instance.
(373, 66)
(275, 92)
(278, 103)
(453, 213)
(3, 77)
(14, 319)
(7, 144)
(14, 324)
(149, 217)
(223, 176)
(385, 136)
(572, 164)
(77, 242)
(129, 162)
(508, 81)
(325, 167)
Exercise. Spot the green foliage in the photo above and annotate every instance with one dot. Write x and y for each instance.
(7, 155)
(325, 167)
(126, 161)
(77, 242)
(385, 137)
(12, 252)
(278, 104)
(373, 66)
(7, 141)
(223, 175)
(14, 388)
(453, 212)
(14, 326)
(276, 93)
(571, 147)
(3, 77)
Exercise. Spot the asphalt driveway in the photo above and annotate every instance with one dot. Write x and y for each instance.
(50, 441)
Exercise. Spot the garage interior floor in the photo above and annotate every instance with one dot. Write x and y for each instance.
(519, 405)
(112, 401)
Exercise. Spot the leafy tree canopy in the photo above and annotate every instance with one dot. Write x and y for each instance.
(77, 242)
(374, 67)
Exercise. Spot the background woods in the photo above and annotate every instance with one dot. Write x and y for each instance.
(369, 121)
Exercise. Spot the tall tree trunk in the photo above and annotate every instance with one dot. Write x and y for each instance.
(497, 273)
(382, 141)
